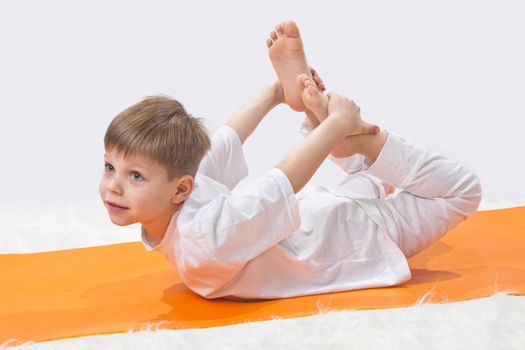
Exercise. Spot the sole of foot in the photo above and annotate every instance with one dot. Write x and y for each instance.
(285, 48)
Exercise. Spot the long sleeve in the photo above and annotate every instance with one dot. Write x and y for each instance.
(225, 162)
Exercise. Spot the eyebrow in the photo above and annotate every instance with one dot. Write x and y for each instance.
(132, 165)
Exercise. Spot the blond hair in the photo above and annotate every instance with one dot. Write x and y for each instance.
(160, 127)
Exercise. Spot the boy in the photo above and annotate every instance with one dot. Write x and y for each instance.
(263, 241)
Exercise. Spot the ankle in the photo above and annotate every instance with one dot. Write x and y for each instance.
(370, 145)
(346, 148)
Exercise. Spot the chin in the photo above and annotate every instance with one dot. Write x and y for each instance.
(121, 221)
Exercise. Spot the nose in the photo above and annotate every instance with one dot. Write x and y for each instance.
(113, 185)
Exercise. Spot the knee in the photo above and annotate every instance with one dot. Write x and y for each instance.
(470, 197)
(475, 192)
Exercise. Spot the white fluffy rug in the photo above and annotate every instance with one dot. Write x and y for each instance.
(497, 322)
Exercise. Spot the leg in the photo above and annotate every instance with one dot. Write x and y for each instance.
(414, 222)
(437, 194)
(317, 108)
(364, 185)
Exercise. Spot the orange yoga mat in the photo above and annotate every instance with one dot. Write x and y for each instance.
(120, 287)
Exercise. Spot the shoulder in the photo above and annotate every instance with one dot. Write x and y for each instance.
(205, 190)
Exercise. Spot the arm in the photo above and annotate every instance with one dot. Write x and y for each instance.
(368, 143)
(353, 163)
(248, 118)
(303, 160)
(233, 228)
(225, 161)
(343, 120)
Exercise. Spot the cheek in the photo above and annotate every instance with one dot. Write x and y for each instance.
(142, 199)
(153, 200)
(102, 187)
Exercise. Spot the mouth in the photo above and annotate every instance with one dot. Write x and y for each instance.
(115, 206)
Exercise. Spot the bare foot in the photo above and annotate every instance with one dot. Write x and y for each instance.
(288, 59)
(312, 97)
(317, 102)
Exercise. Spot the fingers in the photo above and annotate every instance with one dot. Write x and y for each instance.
(344, 105)
(335, 96)
(335, 102)
(319, 83)
(317, 79)
(308, 84)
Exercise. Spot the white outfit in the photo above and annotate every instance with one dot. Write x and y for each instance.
(262, 241)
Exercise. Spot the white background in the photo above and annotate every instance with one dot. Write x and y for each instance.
(449, 75)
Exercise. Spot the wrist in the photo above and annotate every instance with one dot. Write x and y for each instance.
(335, 127)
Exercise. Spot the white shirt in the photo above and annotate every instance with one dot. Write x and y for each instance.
(262, 241)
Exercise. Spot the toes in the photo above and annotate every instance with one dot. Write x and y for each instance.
(312, 90)
(290, 29)
(305, 96)
(309, 81)
(269, 42)
(301, 78)
(317, 79)
(279, 29)
(273, 35)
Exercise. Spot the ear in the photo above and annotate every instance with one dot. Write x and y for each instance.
(184, 186)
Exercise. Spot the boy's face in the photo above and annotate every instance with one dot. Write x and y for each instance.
(136, 189)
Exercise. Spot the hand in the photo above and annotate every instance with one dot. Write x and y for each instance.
(279, 92)
(346, 110)
(317, 80)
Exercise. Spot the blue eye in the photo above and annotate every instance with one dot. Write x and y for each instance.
(108, 167)
(135, 175)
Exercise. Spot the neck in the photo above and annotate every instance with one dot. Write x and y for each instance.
(157, 226)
